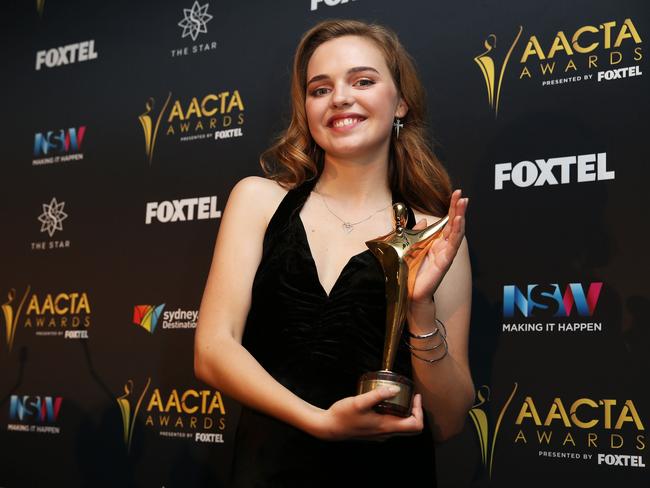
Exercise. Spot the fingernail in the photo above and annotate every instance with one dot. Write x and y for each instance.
(393, 389)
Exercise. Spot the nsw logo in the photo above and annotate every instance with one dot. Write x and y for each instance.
(60, 141)
(41, 409)
(550, 299)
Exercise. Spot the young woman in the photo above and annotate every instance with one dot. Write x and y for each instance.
(294, 307)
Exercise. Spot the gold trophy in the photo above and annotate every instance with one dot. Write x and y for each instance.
(397, 254)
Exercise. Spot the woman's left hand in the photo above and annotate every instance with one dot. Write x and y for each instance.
(433, 261)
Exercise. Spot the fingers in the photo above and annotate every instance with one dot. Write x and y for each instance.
(393, 425)
(367, 400)
(416, 409)
(458, 230)
(364, 423)
(457, 210)
(455, 196)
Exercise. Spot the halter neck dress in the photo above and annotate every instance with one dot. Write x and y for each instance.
(317, 346)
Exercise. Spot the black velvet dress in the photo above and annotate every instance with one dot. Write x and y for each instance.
(317, 346)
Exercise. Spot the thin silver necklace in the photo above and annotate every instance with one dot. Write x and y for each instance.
(347, 225)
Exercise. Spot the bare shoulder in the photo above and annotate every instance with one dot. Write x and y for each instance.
(260, 196)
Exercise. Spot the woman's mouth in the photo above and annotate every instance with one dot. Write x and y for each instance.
(346, 123)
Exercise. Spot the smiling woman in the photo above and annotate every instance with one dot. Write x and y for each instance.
(289, 326)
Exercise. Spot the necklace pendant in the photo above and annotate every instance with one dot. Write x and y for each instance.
(348, 227)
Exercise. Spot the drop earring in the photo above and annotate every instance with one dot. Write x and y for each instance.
(397, 124)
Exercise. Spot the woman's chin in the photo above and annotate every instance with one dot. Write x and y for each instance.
(351, 150)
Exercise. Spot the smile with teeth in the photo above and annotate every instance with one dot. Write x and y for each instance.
(346, 122)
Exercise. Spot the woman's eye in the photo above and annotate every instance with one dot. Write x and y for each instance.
(365, 82)
(319, 91)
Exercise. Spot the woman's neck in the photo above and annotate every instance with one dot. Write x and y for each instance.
(353, 184)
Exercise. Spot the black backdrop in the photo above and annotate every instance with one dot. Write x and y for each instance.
(564, 403)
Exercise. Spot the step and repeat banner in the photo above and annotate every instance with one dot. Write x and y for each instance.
(127, 124)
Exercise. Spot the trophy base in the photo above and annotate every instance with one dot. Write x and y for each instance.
(401, 403)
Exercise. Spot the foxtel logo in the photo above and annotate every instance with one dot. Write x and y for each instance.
(72, 53)
(554, 171)
(329, 3)
(201, 208)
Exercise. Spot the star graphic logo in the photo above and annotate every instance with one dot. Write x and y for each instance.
(52, 217)
(195, 20)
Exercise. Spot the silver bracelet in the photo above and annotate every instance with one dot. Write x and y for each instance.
(413, 348)
(444, 341)
(430, 334)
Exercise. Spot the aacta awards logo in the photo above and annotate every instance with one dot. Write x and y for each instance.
(487, 439)
(51, 219)
(29, 413)
(591, 430)
(193, 24)
(489, 69)
(213, 116)
(148, 316)
(602, 52)
(549, 308)
(58, 146)
(199, 415)
(11, 311)
(64, 314)
(129, 407)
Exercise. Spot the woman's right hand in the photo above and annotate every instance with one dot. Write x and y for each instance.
(354, 418)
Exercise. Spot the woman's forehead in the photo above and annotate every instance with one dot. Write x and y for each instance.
(343, 53)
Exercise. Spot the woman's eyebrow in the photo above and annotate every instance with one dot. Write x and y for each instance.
(356, 69)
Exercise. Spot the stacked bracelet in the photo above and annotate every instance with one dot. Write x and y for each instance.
(439, 330)
(431, 334)
(444, 341)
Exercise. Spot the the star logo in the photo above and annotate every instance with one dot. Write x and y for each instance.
(52, 217)
(195, 20)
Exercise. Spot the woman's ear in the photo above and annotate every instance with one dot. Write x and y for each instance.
(402, 108)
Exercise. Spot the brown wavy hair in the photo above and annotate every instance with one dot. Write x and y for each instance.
(414, 171)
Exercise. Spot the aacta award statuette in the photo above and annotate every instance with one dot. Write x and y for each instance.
(395, 252)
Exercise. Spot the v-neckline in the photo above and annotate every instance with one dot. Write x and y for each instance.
(304, 192)
(313, 261)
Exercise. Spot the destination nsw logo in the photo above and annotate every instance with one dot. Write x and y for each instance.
(58, 146)
(29, 413)
(586, 429)
(62, 314)
(550, 301)
(199, 415)
(148, 316)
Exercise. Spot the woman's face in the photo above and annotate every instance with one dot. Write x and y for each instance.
(351, 99)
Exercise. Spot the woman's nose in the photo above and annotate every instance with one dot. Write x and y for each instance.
(341, 96)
